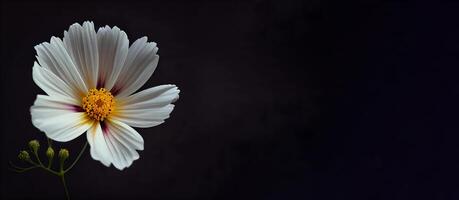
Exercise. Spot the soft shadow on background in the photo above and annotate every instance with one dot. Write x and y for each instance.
(279, 100)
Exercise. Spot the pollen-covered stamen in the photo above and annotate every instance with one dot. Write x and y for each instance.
(98, 103)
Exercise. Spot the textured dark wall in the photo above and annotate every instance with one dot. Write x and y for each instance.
(279, 100)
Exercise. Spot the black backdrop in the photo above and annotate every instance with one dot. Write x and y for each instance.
(279, 100)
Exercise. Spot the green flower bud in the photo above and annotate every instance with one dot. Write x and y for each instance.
(24, 156)
(50, 153)
(34, 145)
(63, 154)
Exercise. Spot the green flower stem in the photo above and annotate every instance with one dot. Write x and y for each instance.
(38, 158)
(21, 170)
(78, 157)
(50, 142)
(43, 167)
(39, 164)
(61, 174)
(15, 166)
(50, 161)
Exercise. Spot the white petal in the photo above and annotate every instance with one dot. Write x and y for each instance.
(99, 150)
(145, 118)
(115, 143)
(81, 43)
(147, 108)
(58, 119)
(113, 47)
(52, 84)
(140, 64)
(54, 57)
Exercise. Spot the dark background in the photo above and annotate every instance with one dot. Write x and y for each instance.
(279, 100)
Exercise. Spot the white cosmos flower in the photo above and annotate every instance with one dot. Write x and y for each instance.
(89, 79)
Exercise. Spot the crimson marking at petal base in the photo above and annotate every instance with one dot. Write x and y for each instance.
(104, 127)
(115, 90)
(100, 83)
(77, 108)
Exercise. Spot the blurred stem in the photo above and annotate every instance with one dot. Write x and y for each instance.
(50, 161)
(38, 158)
(65, 184)
(21, 170)
(50, 142)
(78, 157)
(43, 167)
(39, 164)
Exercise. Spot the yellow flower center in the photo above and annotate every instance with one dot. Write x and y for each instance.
(99, 103)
